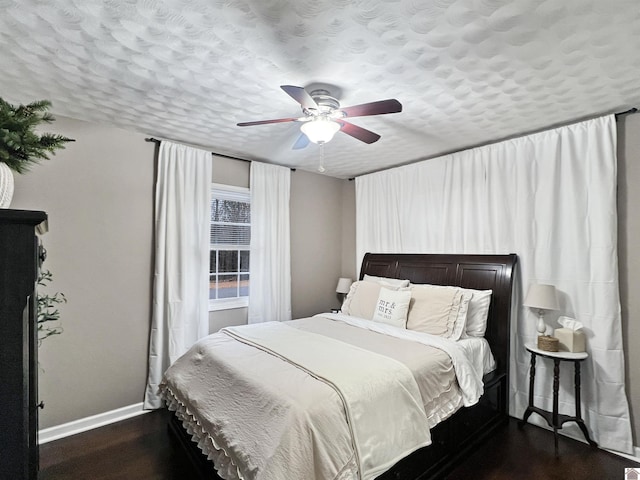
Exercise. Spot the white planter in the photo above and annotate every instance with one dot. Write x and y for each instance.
(6, 185)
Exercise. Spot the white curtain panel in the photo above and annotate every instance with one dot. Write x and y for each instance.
(181, 278)
(550, 198)
(270, 257)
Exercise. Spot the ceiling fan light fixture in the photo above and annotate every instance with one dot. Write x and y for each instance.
(320, 130)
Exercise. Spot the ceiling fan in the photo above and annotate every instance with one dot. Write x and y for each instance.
(323, 116)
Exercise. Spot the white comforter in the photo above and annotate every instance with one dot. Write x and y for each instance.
(468, 373)
(259, 417)
(380, 397)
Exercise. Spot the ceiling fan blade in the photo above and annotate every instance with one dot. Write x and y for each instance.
(264, 122)
(362, 134)
(374, 108)
(301, 142)
(301, 96)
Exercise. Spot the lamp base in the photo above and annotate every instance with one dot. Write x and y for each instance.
(541, 327)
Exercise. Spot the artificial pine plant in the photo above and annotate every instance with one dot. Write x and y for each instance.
(20, 145)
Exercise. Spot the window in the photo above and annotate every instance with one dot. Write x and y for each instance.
(229, 247)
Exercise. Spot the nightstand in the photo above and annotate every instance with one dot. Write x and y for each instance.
(554, 419)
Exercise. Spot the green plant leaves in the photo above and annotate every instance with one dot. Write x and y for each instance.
(47, 308)
(20, 146)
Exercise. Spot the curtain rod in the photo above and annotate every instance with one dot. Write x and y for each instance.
(157, 142)
(626, 112)
(616, 115)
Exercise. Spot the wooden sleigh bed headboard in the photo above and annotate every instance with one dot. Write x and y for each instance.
(479, 272)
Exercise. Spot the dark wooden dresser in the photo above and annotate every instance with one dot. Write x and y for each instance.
(19, 263)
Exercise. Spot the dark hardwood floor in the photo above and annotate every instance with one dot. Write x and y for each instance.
(137, 449)
(140, 448)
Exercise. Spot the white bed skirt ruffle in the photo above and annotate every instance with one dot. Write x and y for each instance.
(444, 405)
(222, 462)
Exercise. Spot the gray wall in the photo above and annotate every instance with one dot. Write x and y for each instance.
(629, 256)
(349, 267)
(316, 242)
(98, 193)
(322, 239)
(99, 197)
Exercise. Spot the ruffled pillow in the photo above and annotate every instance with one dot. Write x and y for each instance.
(362, 299)
(438, 310)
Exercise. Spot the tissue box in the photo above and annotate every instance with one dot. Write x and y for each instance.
(570, 340)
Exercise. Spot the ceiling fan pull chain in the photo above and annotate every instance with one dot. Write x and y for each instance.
(321, 165)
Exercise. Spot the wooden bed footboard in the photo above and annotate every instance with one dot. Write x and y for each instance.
(456, 437)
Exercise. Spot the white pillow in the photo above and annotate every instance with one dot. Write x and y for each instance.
(362, 299)
(394, 282)
(478, 313)
(438, 310)
(392, 307)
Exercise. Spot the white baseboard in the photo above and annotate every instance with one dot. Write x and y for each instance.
(635, 457)
(83, 424)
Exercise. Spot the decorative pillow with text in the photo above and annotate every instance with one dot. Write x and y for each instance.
(392, 307)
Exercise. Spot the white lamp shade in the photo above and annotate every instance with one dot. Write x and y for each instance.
(542, 296)
(320, 130)
(344, 284)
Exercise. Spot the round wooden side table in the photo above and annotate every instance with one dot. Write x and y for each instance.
(554, 419)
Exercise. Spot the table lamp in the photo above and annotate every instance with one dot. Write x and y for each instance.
(344, 284)
(541, 297)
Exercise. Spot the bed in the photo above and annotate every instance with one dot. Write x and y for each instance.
(451, 437)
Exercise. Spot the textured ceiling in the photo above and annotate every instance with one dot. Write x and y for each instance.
(466, 71)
